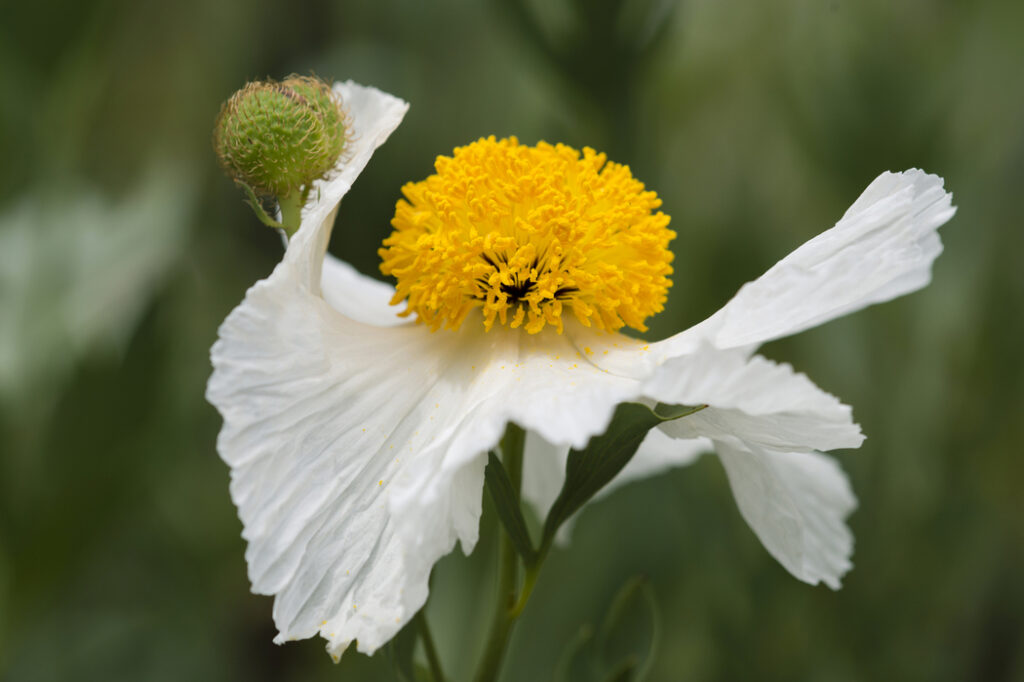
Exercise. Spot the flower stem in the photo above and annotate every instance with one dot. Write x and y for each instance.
(291, 211)
(433, 660)
(508, 567)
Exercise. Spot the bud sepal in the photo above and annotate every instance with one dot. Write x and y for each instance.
(257, 206)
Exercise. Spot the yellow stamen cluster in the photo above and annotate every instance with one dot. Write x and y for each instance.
(525, 233)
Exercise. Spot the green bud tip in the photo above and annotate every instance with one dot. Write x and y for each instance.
(277, 138)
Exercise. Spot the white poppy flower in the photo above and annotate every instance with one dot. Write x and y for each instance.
(357, 439)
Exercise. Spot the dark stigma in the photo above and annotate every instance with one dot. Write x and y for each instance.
(518, 290)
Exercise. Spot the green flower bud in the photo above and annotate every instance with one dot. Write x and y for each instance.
(277, 138)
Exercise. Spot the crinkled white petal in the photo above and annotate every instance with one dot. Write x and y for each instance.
(752, 398)
(320, 535)
(374, 115)
(357, 451)
(755, 406)
(882, 248)
(765, 404)
(320, 417)
(560, 394)
(539, 382)
(766, 421)
(357, 296)
(797, 504)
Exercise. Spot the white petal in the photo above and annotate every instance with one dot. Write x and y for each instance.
(357, 296)
(539, 382)
(882, 248)
(561, 394)
(324, 417)
(374, 116)
(753, 398)
(320, 535)
(543, 472)
(796, 503)
(766, 421)
(357, 451)
(768, 406)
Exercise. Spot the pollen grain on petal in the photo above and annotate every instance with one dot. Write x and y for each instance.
(526, 234)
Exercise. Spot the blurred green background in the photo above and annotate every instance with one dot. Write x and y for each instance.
(122, 247)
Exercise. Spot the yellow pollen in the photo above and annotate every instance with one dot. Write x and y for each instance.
(525, 234)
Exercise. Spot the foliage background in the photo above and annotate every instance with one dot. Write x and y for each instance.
(122, 248)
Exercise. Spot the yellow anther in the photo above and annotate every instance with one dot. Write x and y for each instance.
(525, 234)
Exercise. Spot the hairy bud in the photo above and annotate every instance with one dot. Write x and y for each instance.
(277, 138)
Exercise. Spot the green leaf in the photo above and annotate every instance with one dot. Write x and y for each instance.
(630, 632)
(624, 648)
(625, 671)
(590, 469)
(576, 664)
(506, 502)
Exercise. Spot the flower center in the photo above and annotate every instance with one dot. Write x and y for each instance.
(525, 234)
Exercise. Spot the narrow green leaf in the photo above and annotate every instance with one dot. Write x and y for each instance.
(506, 502)
(667, 413)
(625, 671)
(631, 630)
(590, 469)
(576, 664)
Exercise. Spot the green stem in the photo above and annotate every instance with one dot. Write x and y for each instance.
(433, 660)
(291, 211)
(508, 567)
(529, 580)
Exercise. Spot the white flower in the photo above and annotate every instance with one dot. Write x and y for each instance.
(77, 273)
(357, 439)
